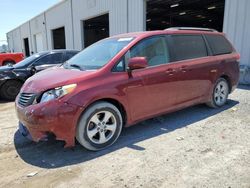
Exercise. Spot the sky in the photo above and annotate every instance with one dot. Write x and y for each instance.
(15, 12)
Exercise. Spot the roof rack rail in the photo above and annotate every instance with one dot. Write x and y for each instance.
(192, 28)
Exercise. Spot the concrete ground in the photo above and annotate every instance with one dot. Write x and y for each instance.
(194, 147)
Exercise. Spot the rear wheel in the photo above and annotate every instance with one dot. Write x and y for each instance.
(8, 63)
(220, 93)
(99, 127)
(10, 89)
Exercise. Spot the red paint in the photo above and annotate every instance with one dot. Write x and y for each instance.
(12, 57)
(137, 63)
(147, 93)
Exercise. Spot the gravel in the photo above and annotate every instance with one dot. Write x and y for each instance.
(194, 147)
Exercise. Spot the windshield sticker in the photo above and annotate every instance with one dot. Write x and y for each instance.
(125, 39)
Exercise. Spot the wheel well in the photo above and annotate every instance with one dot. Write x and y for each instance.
(8, 60)
(228, 81)
(21, 81)
(118, 105)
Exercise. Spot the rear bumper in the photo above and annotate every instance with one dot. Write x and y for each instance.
(39, 120)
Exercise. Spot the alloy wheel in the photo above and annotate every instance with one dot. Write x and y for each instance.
(221, 93)
(101, 127)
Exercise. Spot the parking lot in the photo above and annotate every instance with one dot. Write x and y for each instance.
(194, 147)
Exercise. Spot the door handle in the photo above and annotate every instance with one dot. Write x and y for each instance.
(170, 71)
(184, 68)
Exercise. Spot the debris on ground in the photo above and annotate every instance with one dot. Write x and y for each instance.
(32, 174)
(234, 109)
(179, 138)
(206, 150)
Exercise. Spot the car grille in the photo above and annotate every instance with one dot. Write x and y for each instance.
(26, 99)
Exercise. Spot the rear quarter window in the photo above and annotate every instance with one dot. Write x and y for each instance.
(184, 47)
(219, 44)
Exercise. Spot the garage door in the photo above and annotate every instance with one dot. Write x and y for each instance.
(39, 42)
(162, 14)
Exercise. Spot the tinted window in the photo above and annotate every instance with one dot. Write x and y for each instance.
(69, 55)
(154, 49)
(55, 58)
(219, 44)
(29, 60)
(187, 47)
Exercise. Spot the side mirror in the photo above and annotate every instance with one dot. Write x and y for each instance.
(33, 70)
(137, 63)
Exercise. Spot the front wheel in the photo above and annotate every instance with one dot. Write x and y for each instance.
(220, 94)
(99, 127)
(10, 89)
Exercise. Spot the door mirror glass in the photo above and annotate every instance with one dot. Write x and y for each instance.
(33, 70)
(137, 63)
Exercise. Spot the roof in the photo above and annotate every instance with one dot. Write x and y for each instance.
(162, 32)
(61, 50)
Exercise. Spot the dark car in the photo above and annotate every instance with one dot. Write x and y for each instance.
(125, 79)
(13, 77)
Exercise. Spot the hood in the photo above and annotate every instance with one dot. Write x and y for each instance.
(54, 77)
(6, 68)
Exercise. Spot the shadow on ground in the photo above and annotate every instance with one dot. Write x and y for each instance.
(51, 154)
(3, 101)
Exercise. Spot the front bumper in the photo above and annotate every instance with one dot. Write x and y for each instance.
(57, 117)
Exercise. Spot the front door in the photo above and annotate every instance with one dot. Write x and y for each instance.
(149, 90)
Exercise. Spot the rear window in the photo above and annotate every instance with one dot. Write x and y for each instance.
(219, 45)
(187, 47)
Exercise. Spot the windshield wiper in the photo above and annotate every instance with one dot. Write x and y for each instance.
(76, 66)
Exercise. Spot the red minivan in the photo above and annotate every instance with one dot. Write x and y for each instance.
(125, 79)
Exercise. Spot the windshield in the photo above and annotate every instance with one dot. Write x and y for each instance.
(26, 62)
(98, 54)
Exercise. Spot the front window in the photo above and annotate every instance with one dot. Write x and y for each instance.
(54, 58)
(98, 55)
(154, 49)
(27, 61)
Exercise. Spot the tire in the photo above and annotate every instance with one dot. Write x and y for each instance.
(10, 89)
(220, 94)
(10, 63)
(99, 126)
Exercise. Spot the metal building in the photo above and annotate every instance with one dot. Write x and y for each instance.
(75, 24)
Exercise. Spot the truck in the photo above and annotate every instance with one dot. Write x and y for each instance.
(10, 58)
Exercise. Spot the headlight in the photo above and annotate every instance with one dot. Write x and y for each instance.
(57, 92)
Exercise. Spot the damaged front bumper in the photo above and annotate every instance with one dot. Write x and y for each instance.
(57, 117)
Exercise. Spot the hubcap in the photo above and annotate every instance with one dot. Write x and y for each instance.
(221, 92)
(101, 127)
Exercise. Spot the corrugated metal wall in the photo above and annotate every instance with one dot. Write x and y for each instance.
(124, 16)
(25, 33)
(136, 15)
(86, 9)
(60, 16)
(37, 26)
(237, 27)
